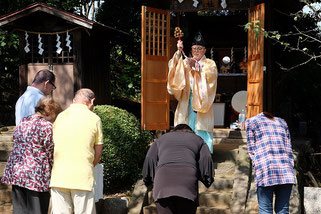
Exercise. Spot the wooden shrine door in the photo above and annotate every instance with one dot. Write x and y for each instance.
(155, 50)
(255, 63)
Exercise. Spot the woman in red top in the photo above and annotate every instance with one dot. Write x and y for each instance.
(29, 165)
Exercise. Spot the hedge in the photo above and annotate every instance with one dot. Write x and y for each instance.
(125, 147)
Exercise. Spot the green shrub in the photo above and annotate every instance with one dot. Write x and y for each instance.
(125, 147)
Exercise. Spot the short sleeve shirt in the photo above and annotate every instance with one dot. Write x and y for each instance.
(76, 132)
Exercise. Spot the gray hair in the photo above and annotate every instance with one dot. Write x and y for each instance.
(84, 93)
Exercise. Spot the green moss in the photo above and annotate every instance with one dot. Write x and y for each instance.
(125, 147)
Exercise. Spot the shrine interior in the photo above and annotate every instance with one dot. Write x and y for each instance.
(224, 34)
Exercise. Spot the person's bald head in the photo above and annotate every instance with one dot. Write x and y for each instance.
(85, 96)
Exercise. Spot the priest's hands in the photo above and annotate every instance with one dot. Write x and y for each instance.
(191, 62)
(180, 45)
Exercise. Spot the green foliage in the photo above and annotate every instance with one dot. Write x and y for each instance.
(125, 146)
(125, 50)
(8, 76)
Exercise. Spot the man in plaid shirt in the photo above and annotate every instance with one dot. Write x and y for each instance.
(269, 147)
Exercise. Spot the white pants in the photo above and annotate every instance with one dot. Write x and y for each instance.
(68, 201)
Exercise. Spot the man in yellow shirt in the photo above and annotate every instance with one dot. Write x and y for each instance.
(78, 140)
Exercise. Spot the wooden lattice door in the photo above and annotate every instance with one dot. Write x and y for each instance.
(154, 67)
(255, 63)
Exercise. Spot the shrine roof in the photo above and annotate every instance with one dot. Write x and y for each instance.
(36, 14)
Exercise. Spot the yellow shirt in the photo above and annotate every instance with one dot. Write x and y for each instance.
(75, 133)
(204, 91)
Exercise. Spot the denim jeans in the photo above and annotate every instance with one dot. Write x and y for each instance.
(282, 197)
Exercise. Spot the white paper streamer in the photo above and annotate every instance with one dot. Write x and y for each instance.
(232, 53)
(40, 45)
(59, 49)
(180, 1)
(68, 41)
(27, 49)
(195, 3)
(223, 4)
(212, 53)
(245, 53)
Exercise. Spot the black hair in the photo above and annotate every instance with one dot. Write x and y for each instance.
(183, 127)
(268, 115)
(43, 76)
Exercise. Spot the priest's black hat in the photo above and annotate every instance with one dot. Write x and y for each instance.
(198, 39)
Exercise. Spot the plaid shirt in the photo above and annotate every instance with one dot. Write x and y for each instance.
(269, 147)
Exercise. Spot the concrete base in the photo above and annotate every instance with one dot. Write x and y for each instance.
(312, 199)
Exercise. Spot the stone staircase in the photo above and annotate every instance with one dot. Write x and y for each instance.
(217, 199)
(6, 144)
(233, 190)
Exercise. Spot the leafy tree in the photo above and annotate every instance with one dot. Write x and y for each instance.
(125, 52)
(304, 37)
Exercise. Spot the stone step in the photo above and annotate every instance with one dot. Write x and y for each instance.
(7, 129)
(6, 137)
(228, 133)
(212, 199)
(5, 186)
(224, 169)
(151, 209)
(5, 196)
(225, 147)
(213, 210)
(224, 155)
(6, 208)
(229, 141)
(6, 146)
(220, 184)
(2, 167)
(4, 155)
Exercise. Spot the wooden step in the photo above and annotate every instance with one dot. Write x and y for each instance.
(151, 209)
(212, 199)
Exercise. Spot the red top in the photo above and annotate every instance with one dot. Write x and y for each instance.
(30, 162)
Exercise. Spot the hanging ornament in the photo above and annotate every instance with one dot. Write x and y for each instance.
(195, 3)
(223, 4)
(180, 1)
(40, 45)
(27, 49)
(59, 49)
(68, 42)
(212, 53)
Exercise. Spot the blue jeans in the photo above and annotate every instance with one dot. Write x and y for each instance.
(282, 197)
